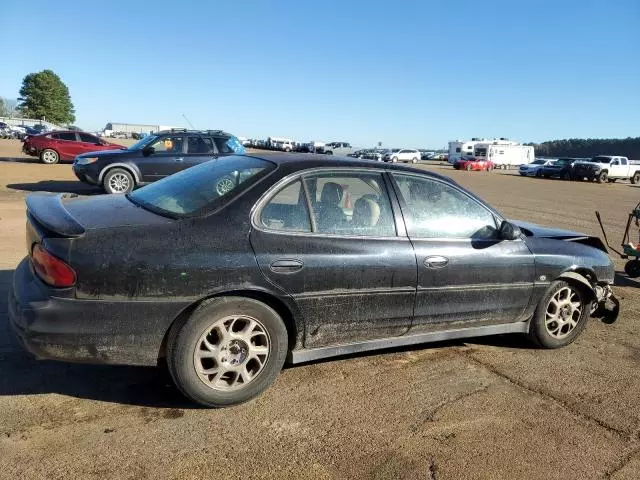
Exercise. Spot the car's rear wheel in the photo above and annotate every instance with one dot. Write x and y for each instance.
(229, 351)
(49, 156)
(560, 316)
(414, 160)
(118, 180)
(636, 178)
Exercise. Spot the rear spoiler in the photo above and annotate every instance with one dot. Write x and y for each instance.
(47, 209)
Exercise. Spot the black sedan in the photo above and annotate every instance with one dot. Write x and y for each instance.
(301, 257)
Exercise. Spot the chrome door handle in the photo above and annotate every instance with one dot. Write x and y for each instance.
(180, 159)
(436, 261)
(286, 266)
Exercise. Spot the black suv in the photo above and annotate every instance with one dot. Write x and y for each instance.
(153, 157)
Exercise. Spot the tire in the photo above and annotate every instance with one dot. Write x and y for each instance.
(632, 268)
(118, 180)
(49, 156)
(603, 177)
(469, 167)
(394, 159)
(233, 354)
(538, 173)
(636, 178)
(329, 153)
(414, 160)
(566, 176)
(611, 180)
(557, 309)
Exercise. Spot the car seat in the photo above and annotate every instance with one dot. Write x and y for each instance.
(366, 213)
(330, 215)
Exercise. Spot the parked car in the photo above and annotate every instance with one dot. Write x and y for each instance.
(226, 285)
(64, 145)
(402, 155)
(426, 155)
(603, 168)
(337, 148)
(153, 157)
(560, 168)
(475, 164)
(534, 169)
(375, 154)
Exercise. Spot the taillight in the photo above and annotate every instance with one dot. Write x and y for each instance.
(50, 269)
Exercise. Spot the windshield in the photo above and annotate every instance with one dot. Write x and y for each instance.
(140, 144)
(203, 187)
(538, 162)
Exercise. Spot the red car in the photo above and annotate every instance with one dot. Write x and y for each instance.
(64, 145)
(474, 164)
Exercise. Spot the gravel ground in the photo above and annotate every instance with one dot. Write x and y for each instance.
(486, 408)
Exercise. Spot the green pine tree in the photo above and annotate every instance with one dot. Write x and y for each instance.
(44, 95)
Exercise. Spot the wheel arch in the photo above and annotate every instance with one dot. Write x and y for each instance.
(294, 329)
(124, 166)
(583, 277)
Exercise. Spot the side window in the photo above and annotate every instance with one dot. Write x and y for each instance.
(457, 149)
(86, 138)
(437, 210)
(168, 144)
(287, 210)
(222, 145)
(351, 204)
(69, 136)
(197, 144)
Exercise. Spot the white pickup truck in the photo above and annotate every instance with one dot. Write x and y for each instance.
(603, 168)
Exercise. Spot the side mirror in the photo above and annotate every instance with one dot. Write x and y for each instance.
(146, 151)
(508, 231)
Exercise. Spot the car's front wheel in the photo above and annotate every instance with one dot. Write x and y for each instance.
(49, 156)
(566, 176)
(229, 351)
(603, 177)
(118, 180)
(469, 167)
(560, 316)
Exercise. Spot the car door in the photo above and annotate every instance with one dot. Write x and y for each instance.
(467, 276)
(332, 241)
(89, 143)
(66, 144)
(164, 156)
(618, 167)
(200, 149)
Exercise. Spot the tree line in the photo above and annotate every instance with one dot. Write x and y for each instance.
(589, 147)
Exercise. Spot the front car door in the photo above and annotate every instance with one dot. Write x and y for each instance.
(467, 276)
(332, 241)
(89, 143)
(165, 155)
(67, 145)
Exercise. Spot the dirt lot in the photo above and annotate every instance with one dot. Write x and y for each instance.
(489, 408)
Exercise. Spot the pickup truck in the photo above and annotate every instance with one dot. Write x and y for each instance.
(603, 168)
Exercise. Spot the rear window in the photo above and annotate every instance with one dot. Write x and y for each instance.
(201, 188)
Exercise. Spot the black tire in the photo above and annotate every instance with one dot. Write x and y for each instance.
(49, 156)
(414, 160)
(185, 338)
(636, 178)
(602, 177)
(118, 180)
(394, 160)
(611, 180)
(632, 268)
(547, 176)
(538, 332)
(538, 173)
(566, 176)
(329, 153)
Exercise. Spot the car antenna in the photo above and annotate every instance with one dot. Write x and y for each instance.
(190, 124)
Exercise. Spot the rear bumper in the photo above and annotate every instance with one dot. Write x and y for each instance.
(88, 331)
(29, 150)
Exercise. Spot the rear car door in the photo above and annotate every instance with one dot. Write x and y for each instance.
(166, 156)
(66, 144)
(200, 149)
(467, 276)
(330, 240)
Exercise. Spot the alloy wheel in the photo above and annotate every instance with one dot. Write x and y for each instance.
(563, 313)
(231, 352)
(119, 183)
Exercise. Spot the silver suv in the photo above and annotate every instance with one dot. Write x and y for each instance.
(337, 148)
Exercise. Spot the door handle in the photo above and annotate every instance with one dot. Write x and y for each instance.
(286, 266)
(179, 159)
(436, 261)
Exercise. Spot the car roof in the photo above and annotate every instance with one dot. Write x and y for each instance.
(193, 132)
(301, 161)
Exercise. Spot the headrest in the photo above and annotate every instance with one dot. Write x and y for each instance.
(366, 212)
(331, 193)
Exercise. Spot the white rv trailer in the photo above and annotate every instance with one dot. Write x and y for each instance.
(465, 148)
(504, 155)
